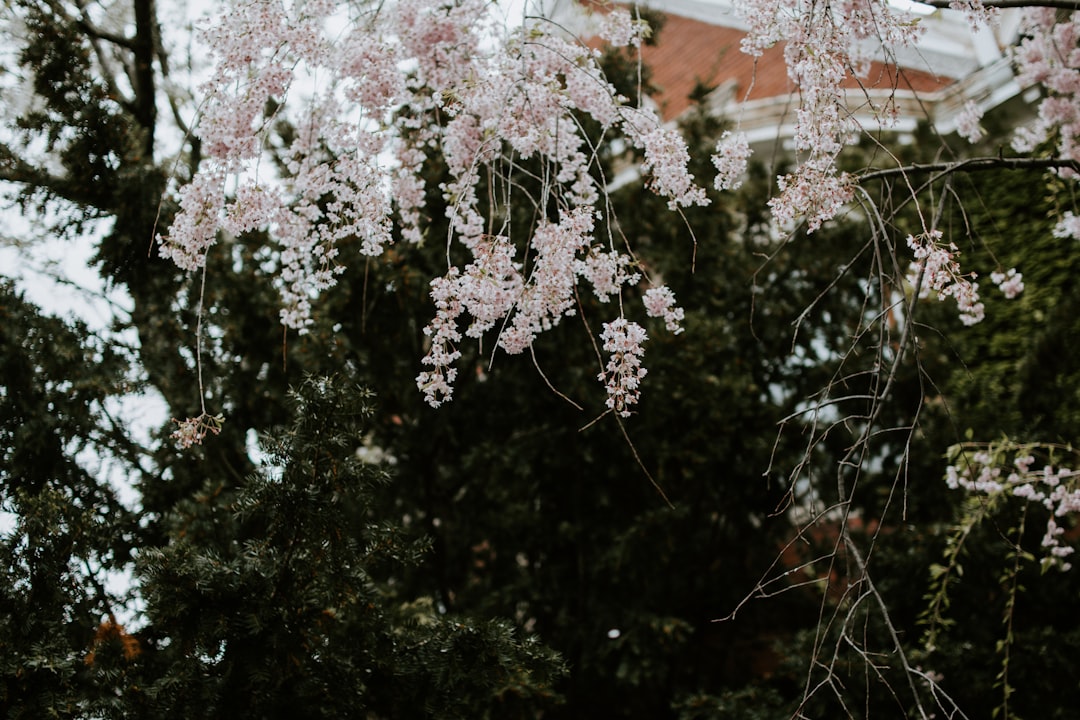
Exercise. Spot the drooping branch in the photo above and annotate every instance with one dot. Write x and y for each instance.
(1005, 4)
(972, 165)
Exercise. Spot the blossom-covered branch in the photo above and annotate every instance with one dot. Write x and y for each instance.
(1008, 469)
(404, 80)
(372, 92)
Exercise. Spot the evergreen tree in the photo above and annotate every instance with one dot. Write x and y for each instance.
(70, 529)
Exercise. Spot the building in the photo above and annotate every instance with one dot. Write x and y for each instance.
(700, 43)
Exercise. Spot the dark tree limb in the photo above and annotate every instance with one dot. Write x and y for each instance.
(1004, 4)
(15, 170)
(973, 165)
(97, 37)
(144, 81)
(97, 33)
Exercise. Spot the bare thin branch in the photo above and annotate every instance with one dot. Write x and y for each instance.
(974, 164)
(1004, 4)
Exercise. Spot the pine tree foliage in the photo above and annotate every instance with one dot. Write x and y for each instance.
(281, 601)
(70, 528)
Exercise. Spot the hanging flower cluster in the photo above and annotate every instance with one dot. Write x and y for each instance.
(372, 91)
(826, 43)
(623, 374)
(1049, 57)
(823, 44)
(936, 270)
(731, 157)
(1007, 469)
(193, 431)
(967, 123)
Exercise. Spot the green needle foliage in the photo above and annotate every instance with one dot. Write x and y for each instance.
(281, 600)
(69, 527)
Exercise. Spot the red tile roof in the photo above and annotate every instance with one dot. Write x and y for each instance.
(688, 51)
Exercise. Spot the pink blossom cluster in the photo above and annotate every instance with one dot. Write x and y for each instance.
(623, 374)
(202, 204)
(548, 294)
(666, 158)
(1049, 56)
(826, 42)
(443, 334)
(936, 270)
(1068, 226)
(1010, 282)
(606, 271)
(193, 431)
(660, 303)
(522, 100)
(370, 94)
(976, 12)
(816, 192)
(620, 29)
(333, 186)
(731, 157)
(967, 123)
(1055, 488)
(823, 43)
